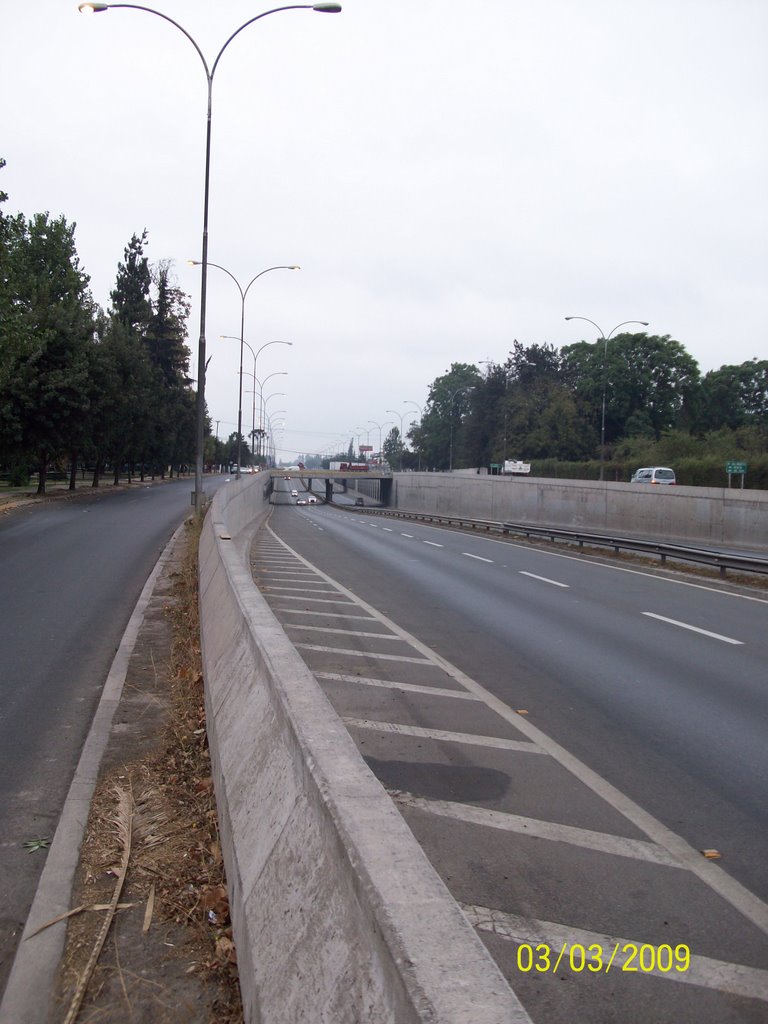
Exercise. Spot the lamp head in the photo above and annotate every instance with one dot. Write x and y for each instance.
(92, 8)
(193, 263)
(327, 8)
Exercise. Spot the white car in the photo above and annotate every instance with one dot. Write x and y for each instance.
(294, 493)
(311, 500)
(654, 475)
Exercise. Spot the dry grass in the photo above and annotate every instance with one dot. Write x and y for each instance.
(170, 955)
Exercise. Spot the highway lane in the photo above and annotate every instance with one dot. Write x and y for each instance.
(72, 573)
(656, 685)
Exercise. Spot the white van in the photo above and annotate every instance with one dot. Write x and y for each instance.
(654, 475)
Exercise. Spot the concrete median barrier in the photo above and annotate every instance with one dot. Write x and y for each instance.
(337, 914)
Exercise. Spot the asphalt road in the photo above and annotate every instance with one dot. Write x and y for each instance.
(645, 691)
(72, 573)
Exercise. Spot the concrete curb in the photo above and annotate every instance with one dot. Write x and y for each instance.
(338, 916)
(28, 996)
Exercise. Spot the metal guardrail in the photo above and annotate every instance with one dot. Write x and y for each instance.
(721, 560)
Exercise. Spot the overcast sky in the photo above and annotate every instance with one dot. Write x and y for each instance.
(449, 176)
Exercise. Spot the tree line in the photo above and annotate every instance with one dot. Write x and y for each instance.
(644, 393)
(80, 386)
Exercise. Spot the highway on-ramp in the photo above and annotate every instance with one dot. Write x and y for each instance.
(579, 746)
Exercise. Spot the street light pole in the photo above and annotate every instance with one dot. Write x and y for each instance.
(261, 384)
(98, 8)
(243, 295)
(380, 426)
(402, 417)
(458, 391)
(255, 357)
(409, 401)
(605, 339)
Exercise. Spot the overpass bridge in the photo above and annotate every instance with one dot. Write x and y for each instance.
(330, 476)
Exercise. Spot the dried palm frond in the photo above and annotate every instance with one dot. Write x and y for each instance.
(122, 820)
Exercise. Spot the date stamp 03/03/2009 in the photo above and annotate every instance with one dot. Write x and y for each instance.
(622, 956)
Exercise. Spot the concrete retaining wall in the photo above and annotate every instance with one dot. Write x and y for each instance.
(338, 916)
(707, 515)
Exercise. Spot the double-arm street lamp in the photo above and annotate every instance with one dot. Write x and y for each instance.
(258, 389)
(604, 338)
(243, 295)
(270, 431)
(98, 8)
(402, 443)
(409, 401)
(261, 384)
(255, 355)
(381, 427)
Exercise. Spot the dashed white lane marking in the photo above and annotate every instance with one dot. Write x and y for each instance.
(387, 529)
(391, 684)
(478, 558)
(736, 979)
(408, 535)
(544, 579)
(345, 632)
(695, 629)
(737, 895)
(432, 543)
(604, 842)
(471, 739)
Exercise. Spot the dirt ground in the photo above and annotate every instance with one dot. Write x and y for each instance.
(168, 955)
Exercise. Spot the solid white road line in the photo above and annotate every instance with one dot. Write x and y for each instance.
(393, 684)
(301, 590)
(694, 629)
(736, 979)
(620, 846)
(737, 895)
(440, 734)
(544, 579)
(362, 654)
(346, 632)
(325, 612)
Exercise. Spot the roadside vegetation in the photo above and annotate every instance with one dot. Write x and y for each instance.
(86, 390)
(110, 389)
(544, 405)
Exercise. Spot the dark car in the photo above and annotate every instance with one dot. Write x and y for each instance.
(359, 501)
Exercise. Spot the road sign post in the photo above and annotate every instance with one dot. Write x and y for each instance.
(738, 468)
